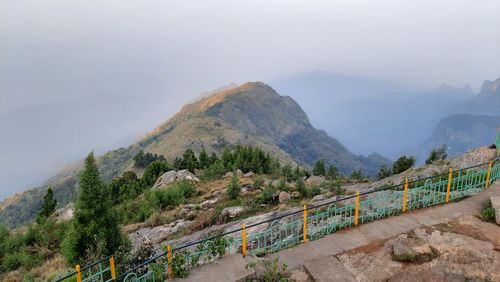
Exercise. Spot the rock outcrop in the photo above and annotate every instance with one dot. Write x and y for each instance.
(172, 176)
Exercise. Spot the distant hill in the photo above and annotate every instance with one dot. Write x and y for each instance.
(251, 114)
(461, 132)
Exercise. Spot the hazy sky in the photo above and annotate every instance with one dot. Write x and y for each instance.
(83, 75)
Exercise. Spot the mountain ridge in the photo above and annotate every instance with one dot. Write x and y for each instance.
(250, 114)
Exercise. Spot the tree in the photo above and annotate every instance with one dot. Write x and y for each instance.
(204, 160)
(300, 186)
(384, 172)
(332, 172)
(437, 154)
(94, 231)
(48, 207)
(357, 175)
(189, 160)
(403, 164)
(234, 188)
(319, 168)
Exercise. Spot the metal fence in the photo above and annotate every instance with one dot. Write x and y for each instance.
(313, 222)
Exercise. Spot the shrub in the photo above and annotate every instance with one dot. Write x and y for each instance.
(314, 191)
(437, 154)
(275, 271)
(319, 168)
(165, 197)
(258, 181)
(268, 195)
(488, 214)
(300, 186)
(403, 164)
(384, 172)
(234, 188)
(283, 186)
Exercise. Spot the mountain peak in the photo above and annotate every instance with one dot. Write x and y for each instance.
(491, 87)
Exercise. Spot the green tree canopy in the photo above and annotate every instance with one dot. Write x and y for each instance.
(94, 231)
(48, 207)
(437, 154)
(402, 164)
(319, 168)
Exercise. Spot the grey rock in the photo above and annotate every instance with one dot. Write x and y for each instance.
(172, 176)
(232, 212)
(318, 198)
(283, 197)
(239, 172)
(248, 175)
(228, 174)
(315, 180)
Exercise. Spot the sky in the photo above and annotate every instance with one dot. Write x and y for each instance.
(77, 76)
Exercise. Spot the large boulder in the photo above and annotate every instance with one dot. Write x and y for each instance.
(172, 176)
(316, 180)
(232, 212)
(283, 197)
(495, 204)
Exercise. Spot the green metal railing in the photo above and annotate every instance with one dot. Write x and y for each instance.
(317, 221)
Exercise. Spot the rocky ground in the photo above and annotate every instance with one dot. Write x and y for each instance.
(465, 249)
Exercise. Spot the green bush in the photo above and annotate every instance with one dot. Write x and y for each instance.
(403, 164)
(267, 195)
(488, 214)
(165, 197)
(258, 181)
(234, 188)
(300, 186)
(314, 191)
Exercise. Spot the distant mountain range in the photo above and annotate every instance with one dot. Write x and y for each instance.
(251, 114)
(369, 115)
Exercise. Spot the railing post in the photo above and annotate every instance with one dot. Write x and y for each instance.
(450, 179)
(356, 214)
(169, 258)
(78, 273)
(489, 174)
(244, 239)
(405, 195)
(305, 224)
(112, 266)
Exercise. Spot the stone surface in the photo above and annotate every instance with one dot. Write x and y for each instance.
(228, 174)
(156, 235)
(232, 212)
(315, 180)
(283, 197)
(248, 175)
(318, 198)
(239, 172)
(299, 275)
(172, 176)
(495, 204)
(328, 269)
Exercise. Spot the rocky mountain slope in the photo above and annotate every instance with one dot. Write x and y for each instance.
(461, 132)
(250, 114)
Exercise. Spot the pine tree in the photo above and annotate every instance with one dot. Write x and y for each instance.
(234, 188)
(48, 207)
(204, 160)
(332, 172)
(319, 168)
(94, 231)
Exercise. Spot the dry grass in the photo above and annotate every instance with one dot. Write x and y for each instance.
(45, 272)
(50, 269)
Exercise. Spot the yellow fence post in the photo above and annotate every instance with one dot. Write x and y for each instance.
(305, 224)
(169, 257)
(489, 174)
(405, 195)
(112, 266)
(244, 239)
(356, 215)
(450, 179)
(78, 273)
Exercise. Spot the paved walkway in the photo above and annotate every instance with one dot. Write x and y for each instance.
(316, 256)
